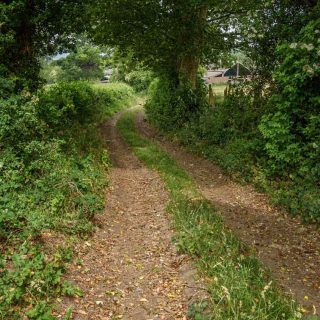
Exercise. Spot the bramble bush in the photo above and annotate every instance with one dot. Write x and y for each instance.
(32, 277)
(52, 175)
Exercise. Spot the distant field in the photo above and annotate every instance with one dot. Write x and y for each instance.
(218, 89)
(99, 84)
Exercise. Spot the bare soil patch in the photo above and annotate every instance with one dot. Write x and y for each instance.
(290, 249)
(130, 268)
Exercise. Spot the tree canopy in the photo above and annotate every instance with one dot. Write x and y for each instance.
(169, 36)
(30, 29)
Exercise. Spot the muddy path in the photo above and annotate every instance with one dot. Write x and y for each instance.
(290, 249)
(130, 269)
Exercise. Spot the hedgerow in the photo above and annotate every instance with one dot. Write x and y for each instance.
(291, 131)
(170, 108)
(52, 175)
(270, 138)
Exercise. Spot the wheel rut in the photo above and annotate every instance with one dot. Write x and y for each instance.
(130, 268)
(290, 249)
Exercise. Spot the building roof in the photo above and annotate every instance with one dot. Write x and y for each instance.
(228, 72)
(213, 74)
(232, 72)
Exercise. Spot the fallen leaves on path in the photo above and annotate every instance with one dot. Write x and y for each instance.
(290, 249)
(130, 268)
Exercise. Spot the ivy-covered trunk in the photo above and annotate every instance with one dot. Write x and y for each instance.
(191, 42)
(188, 69)
(27, 64)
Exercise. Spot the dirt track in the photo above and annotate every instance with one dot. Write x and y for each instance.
(130, 268)
(290, 249)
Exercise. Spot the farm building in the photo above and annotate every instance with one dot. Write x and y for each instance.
(223, 75)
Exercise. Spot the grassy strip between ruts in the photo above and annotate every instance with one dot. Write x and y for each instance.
(239, 287)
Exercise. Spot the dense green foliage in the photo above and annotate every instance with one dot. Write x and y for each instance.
(238, 286)
(85, 62)
(267, 129)
(173, 107)
(126, 69)
(30, 29)
(292, 131)
(169, 37)
(52, 173)
(30, 280)
(254, 142)
(139, 79)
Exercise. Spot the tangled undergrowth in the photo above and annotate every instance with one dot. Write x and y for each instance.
(52, 175)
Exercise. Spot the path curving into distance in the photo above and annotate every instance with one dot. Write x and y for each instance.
(130, 268)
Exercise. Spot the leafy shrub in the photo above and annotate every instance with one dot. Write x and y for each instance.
(31, 279)
(7, 84)
(170, 107)
(51, 72)
(228, 132)
(52, 176)
(46, 168)
(115, 95)
(291, 132)
(55, 168)
(139, 79)
(64, 103)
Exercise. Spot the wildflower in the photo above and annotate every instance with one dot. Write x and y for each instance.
(309, 46)
(293, 45)
(308, 69)
(265, 289)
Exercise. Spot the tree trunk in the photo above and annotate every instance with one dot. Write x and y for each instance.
(212, 100)
(192, 40)
(188, 70)
(26, 31)
(26, 64)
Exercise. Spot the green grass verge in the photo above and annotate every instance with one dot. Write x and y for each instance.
(239, 286)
